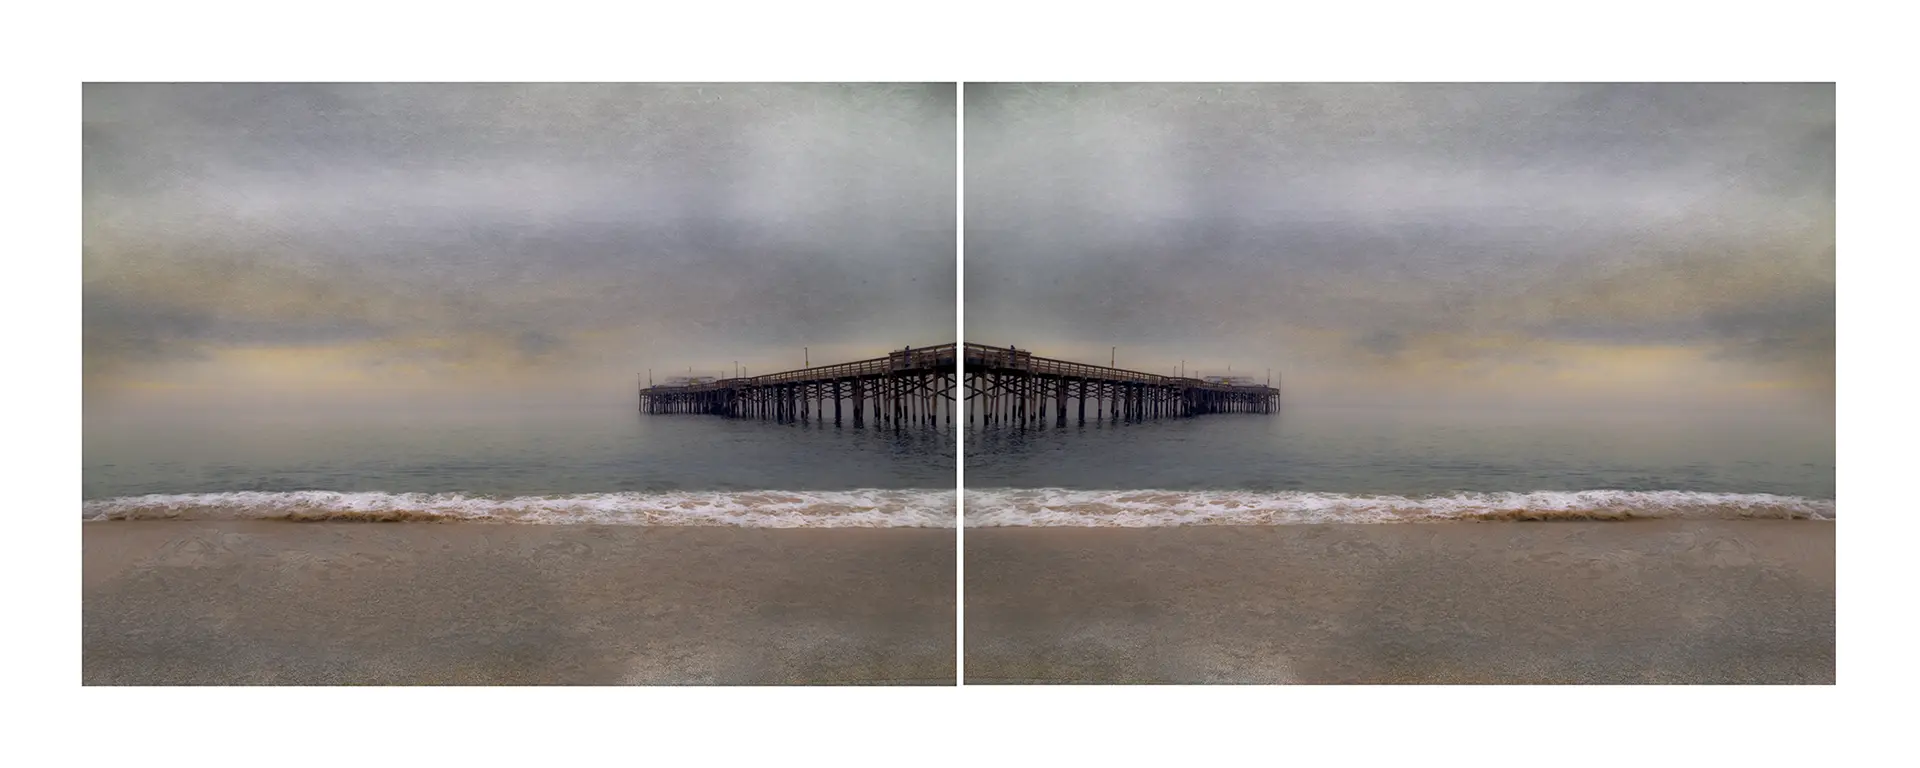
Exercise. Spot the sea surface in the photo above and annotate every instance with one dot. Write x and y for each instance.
(608, 464)
(559, 464)
(1307, 465)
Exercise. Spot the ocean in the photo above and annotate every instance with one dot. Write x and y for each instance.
(1346, 464)
(607, 464)
(604, 464)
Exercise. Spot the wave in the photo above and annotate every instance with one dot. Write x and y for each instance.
(1140, 509)
(865, 508)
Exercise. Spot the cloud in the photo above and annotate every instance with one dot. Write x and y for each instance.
(1375, 232)
(528, 228)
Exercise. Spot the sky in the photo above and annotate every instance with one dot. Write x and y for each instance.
(320, 245)
(1588, 247)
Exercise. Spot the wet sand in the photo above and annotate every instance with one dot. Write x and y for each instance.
(1561, 602)
(243, 603)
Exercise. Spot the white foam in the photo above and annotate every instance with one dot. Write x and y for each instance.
(1153, 508)
(865, 508)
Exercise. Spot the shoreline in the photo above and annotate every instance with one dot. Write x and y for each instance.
(265, 602)
(1150, 508)
(1641, 601)
(854, 508)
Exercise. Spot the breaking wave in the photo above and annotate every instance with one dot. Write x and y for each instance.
(1140, 509)
(867, 508)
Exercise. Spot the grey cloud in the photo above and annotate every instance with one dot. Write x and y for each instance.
(1401, 218)
(512, 219)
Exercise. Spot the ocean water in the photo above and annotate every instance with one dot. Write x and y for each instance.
(610, 465)
(1308, 465)
(567, 464)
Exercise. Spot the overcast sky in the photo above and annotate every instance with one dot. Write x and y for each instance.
(346, 243)
(1584, 245)
(1588, 246)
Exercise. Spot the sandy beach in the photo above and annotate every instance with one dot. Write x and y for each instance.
(242, 603)
(1560, 602)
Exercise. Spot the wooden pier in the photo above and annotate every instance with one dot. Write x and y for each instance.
(1012, 387)
(912, 386)
(916, 386)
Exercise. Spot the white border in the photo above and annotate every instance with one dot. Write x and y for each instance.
(978, 41)
(960, 402)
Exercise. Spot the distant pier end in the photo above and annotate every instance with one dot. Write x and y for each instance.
(911, 386)
(1009, 386)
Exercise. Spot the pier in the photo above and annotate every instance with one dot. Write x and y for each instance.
(911, 386)
(1012, 387)
(1003, 386)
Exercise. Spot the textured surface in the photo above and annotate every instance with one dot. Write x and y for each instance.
(237, 603)
(1634, 602)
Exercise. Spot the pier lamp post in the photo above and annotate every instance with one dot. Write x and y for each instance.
(1112, 354)
(805, 360)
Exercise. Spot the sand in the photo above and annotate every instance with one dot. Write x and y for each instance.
(241, 603)
(1563, 602)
